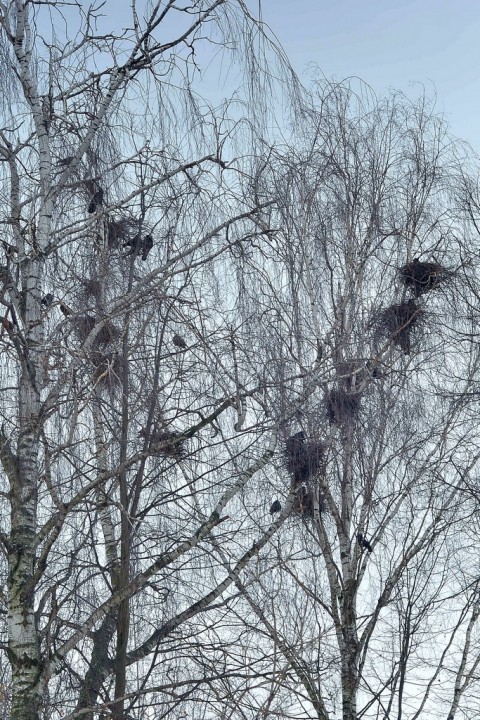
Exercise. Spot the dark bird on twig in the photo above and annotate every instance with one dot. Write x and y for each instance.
(276, 507)
(133, 244)
(65, 162)
(97, 199)
(363, 542)
(7, 324)
(179, 342)
(147, 245)
(65, 309)
(137, 245)
(47, 300)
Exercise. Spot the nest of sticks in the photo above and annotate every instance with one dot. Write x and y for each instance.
(165, 442)
(84, 325)
(422, 277)
(303, 458)
(305, 462)
(401, 323)
(342, 406)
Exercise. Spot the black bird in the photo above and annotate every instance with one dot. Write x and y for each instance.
(136, 244)
(97, 199)
(65, 162)
(47, 300)
(147, 245)
(179, 342)
(363, 542)
(6, 324)
(276, 507)
(65, 309)
(133, 243)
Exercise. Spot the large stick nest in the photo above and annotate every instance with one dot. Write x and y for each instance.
(422, 277)
(305, 462)
(342, 406)
(165, 442)
(400, 322)
(84, 325)
(303, 458)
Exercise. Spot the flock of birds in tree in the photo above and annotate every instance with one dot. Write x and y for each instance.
(83, 322)
(137, 245)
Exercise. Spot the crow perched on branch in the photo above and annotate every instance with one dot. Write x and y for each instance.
(97, 199)
(6, 324)
(65, 162)
(147, 245)
(179, 342)
(363, 542)
(65, 309)
(276, 507)
(137, 245)
(47, 300)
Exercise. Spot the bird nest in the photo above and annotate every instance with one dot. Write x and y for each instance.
(305, 461)
(303, 458)
(84, 325)
(422, 277)
(166, 443)
(400, 322)
(93, 287)
(342, 406)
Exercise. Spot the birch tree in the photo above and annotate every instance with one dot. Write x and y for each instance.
(124, 388)
(199, 319)
(369, 593)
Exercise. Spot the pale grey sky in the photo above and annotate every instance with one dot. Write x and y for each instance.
(386, 43)
(390, 44)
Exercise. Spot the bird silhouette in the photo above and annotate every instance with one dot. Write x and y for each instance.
(97, 199)
(363, 542)
(276, 507)
(179, 342)
(47, 300)
(65, 309)
(137, 244)
(147, 245)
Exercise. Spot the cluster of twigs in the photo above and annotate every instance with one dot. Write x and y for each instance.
(165, 443)
(400, 322)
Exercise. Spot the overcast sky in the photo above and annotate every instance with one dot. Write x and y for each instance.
(390, 44)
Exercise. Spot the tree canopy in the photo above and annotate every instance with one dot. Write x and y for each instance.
(239, 380)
